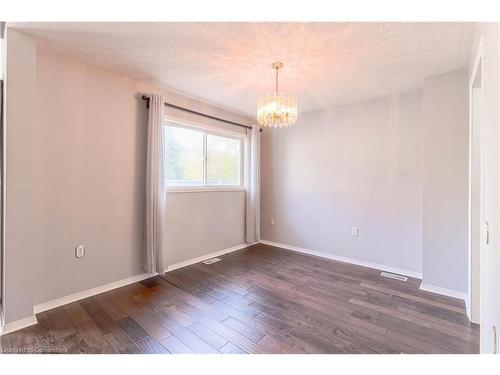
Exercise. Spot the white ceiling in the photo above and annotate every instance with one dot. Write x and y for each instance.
(230, 63)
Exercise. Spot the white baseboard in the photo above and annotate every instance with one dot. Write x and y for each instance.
(467, 309)
(445, 292)
(207, 256)
(340, 258)
(1, 319)
(18, 324)
(90, 292)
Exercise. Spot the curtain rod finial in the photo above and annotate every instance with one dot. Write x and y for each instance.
(146, 98)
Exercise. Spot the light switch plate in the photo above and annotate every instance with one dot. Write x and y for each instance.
(355, 231)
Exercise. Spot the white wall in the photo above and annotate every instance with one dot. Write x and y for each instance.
(355, 165)
(445, 182)
(86, 171)
(490, 261)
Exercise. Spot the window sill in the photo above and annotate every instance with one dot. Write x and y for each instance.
(204, 189)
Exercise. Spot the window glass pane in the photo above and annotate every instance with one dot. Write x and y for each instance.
(184, 156)
(223, 160)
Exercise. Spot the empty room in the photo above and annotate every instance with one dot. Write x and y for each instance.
(250, 188)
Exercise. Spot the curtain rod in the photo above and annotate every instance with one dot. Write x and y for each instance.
(146, 98)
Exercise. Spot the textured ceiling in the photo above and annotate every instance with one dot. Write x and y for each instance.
(230, 63)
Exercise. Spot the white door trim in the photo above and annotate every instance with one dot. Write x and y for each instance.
(472, 314)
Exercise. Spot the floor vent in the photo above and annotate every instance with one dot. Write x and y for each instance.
(394, 276)
(212, 260)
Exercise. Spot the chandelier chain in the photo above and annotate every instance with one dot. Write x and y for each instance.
(277, 72)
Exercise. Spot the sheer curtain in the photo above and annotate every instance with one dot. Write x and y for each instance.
(252, 230)
(154, 260)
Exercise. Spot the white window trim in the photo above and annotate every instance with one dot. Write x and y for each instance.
(203, 189)
(207, 128)
(170, 121)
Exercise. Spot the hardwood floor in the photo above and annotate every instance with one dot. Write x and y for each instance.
(261, 299)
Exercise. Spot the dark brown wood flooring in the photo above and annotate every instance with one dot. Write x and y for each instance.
(261, 299)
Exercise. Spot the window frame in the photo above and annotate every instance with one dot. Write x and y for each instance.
(205, 130)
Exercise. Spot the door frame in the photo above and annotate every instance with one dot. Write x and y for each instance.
(474, 316)
(3, 76)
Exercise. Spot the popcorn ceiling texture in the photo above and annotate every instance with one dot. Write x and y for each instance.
(230, 63)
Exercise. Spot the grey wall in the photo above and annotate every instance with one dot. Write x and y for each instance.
(19, 222)
(89, 175)
(445, 182)
(202, 222)
(90, 165)
(76, 164)
(354, 165)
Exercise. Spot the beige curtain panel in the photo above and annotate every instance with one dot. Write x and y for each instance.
(154, 260)
(252, 220)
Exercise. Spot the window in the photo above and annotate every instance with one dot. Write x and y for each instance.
(197, 158)
(184, 156)
(223, 160)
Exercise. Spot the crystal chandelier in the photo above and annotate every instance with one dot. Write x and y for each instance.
(277, 110)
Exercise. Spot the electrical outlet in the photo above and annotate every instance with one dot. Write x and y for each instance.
(271, 221)
(80, 251)
(355, 231)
